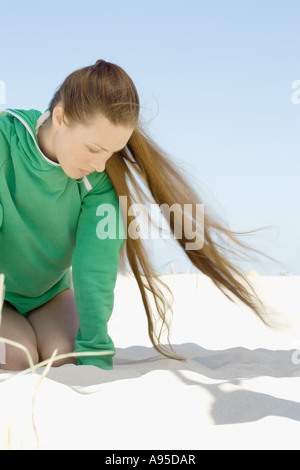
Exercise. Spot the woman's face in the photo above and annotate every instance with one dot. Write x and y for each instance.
(83, 149)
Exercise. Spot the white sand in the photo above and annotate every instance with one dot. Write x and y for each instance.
(238, 389)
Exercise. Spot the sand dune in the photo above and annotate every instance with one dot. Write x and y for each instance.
(237, 389)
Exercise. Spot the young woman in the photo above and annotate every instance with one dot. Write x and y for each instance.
(58, 170)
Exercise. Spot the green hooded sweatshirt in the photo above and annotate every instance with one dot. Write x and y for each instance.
(48, 223)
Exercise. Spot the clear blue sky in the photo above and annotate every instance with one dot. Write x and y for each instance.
(215, 79)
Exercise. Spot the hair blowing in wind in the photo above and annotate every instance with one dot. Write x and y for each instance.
(107, 89)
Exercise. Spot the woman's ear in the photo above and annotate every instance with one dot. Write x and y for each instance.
(58, 117)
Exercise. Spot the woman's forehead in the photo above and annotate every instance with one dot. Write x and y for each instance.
(102, 133)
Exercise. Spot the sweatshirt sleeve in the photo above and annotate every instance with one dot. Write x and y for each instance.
(99, 239)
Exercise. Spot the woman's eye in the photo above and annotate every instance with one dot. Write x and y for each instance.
(93, 151)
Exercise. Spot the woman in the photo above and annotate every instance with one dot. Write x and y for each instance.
(58, 170)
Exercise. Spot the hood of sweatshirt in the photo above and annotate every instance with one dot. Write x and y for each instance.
(26, 123)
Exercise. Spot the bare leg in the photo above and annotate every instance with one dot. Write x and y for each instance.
(56, 326)
(16, 327)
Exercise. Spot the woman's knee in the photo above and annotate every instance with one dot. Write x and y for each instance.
(60, 348)
(56, 326)
(17, 359)
(16, 328)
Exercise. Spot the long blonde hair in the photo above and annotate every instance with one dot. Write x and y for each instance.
(106, 88)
